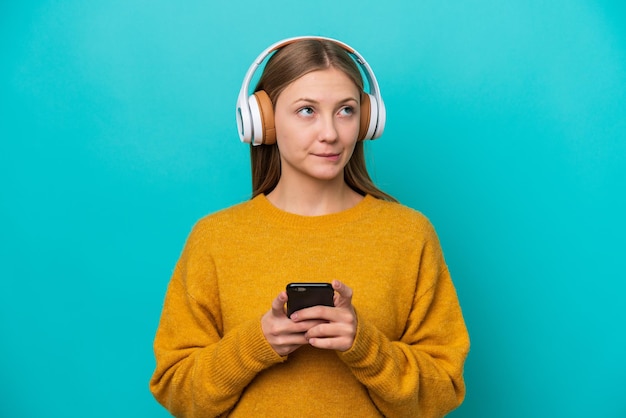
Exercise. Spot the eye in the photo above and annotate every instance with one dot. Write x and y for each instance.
(346, 111)
(305, 111)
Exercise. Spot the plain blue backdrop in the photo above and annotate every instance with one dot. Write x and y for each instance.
(506, 127)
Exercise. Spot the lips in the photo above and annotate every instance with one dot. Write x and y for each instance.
(328, 156)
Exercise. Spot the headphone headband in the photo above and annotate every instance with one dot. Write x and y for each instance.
(248, 115)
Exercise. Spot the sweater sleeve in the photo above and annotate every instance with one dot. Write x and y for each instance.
(199, 371)
(422, 373)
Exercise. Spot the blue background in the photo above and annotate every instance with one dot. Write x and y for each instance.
(506, 127)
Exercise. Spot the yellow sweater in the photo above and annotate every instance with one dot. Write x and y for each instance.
(411, 341)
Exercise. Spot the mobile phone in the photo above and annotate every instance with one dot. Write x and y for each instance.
(305, 295)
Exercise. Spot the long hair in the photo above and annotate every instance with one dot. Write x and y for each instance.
(285, 66)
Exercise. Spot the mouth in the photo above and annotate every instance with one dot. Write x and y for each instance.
(328, 156)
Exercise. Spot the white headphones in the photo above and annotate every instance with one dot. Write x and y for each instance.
(255, 113)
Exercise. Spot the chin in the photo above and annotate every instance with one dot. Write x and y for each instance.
(328, 176)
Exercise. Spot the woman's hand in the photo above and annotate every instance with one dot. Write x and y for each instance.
(336, 326)
(284, 335)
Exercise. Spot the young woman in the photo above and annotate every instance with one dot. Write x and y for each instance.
(393, 344)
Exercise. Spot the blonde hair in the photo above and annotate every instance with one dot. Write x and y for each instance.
(285, 66)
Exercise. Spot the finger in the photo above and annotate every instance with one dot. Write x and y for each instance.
(331, 330)
(337, 343)
(278, 304)
(341, 288)
(343, 295)
(319, 313)
(331, 336)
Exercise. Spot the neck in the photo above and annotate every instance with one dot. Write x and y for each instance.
(314, 199)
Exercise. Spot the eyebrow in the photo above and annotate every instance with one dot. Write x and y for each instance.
(308, 100)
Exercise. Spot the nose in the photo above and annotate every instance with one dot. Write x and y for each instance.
(328, 130)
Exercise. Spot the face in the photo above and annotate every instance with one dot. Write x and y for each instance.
(317, 125)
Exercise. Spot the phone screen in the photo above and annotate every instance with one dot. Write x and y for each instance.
(305, 295)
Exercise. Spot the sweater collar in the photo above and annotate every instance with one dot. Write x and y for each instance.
(267, 211)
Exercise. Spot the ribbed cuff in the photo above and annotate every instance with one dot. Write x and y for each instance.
(243, 353)
(364, 349)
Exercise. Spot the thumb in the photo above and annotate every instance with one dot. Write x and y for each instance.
(343, 295)
(278, 304)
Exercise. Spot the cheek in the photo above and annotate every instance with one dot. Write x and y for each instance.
(350, 128)
(350, 134)
(351, 148)
(287, 128)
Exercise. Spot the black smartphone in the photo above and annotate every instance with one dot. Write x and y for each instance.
(305, 295)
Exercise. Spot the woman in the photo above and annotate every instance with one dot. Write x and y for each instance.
(394, 343)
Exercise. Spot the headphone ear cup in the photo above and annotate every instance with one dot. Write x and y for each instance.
(262, 115)
(369, 116)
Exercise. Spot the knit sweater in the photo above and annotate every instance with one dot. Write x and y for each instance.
(411, 341)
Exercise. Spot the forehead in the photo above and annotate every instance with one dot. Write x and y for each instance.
(322, 83)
